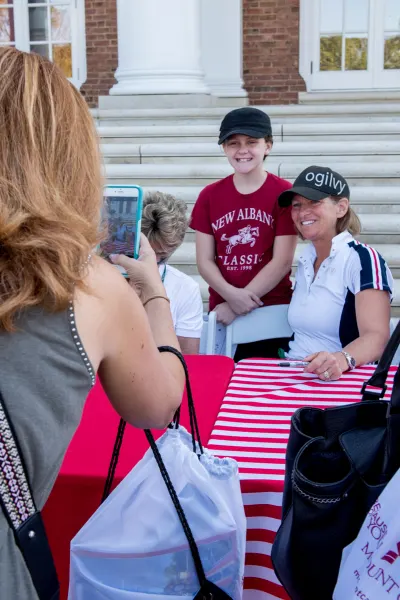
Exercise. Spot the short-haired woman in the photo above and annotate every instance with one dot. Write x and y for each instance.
(164, 223)
(340, 309)
(65, 316)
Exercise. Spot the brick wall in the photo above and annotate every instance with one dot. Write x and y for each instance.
(101, 48)
(271, 51)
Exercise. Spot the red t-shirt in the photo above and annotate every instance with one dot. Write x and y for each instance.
(244, 227)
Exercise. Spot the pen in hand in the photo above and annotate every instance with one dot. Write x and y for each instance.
(295, 363)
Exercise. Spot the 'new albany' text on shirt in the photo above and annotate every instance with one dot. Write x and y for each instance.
(243, 214)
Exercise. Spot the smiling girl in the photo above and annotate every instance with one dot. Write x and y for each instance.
(244, 241)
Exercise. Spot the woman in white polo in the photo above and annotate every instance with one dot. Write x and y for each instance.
(340, 309)
(164, 223)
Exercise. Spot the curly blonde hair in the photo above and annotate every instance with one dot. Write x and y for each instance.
(50, 185)
(164, 222)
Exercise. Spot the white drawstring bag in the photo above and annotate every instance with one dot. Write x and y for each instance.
(370, 567)
(173, 527)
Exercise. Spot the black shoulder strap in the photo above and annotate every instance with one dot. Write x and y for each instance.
(19, 508)
(378, 379)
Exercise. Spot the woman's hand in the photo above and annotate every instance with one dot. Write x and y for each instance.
(243, 301)
(143, 272)
(327, 365)
(225, 314)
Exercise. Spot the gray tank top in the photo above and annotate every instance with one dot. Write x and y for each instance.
(45, 378)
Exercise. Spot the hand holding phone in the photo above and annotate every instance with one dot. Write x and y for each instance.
(143, 273)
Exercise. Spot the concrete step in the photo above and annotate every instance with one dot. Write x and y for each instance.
(359, 96)
(185, 258)
(290, 113)
(303, 132)
(186, 254)
(377, 229)
(369, 199)
(340, 131)
(373, 239)
(380, 224)
(357, 173)
(307, 152)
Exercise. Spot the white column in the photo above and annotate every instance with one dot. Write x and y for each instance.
(221, 42)
(159, 48)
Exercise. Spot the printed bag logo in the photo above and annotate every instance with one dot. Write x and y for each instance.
(376, 526)
(246, 235)
(392, 555)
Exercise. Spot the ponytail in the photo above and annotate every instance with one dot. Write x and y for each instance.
(349, 222)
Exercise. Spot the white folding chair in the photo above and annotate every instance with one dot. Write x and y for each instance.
(264, 323)
(208, 333)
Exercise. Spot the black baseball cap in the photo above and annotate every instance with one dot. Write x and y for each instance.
(316, 183)
(247, 121)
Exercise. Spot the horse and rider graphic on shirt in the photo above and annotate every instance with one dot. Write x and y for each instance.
(246, 235)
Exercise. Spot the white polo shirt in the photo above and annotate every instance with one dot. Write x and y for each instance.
(322, 312)
(186, 302)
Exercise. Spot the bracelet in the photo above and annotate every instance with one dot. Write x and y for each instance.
(155, 297)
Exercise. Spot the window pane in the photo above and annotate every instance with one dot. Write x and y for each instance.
(331, 19)
(392, 52)
(356, 54)
(331, 53)
(62, 56)
(392, 15)
(60, 24)
(42, 49)
(7, 33)
(38, 25)
(356, 16)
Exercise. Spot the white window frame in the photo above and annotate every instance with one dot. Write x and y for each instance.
(375, 78)
(78, 36)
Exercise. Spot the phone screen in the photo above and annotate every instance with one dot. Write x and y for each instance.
(123, 219)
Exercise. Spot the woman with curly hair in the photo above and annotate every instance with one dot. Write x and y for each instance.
(66, 316)
(164, 223)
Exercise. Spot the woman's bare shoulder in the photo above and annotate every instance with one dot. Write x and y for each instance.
(102, 308)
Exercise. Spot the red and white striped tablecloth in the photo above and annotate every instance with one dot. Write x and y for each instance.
(253, 427)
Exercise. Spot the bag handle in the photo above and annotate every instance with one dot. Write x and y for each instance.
(378, 379)
(164, 473)
(178, 507)
(194, 427)
(18, 505)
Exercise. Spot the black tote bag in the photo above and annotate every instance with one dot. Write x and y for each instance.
(338, 461)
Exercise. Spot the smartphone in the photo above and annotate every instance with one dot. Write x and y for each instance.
(122, 210)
